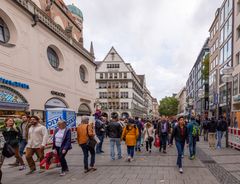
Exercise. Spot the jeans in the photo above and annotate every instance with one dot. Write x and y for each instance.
(86, 149)
(62, 159)
(138, 146)
(130, 151)
(192, 145)
(163, 141)
(219, 139)
(180, 149)
(116, 141)
(99, 145)
(22, 145)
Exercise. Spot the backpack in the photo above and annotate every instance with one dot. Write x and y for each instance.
(196, 130)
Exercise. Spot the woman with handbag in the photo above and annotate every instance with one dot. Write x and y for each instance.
(129, 135)
(62, 144)
(12, 137)
(85, 138)
(148, 134)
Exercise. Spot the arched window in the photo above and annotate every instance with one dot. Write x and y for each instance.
(53, 58)
(83, 73)
(4, 32)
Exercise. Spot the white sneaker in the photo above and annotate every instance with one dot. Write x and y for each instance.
(181, 170)
(129, 159)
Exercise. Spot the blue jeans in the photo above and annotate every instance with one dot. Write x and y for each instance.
(192, 145)
(180, 150)
(138, 146)
(85, 150)
(116, 141)
(22, 145)
(219, 139)
(99, 145)
(130, 151)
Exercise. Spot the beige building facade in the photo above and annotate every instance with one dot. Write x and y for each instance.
(43, 63)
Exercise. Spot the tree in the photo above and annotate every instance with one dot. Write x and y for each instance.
(205, 69)
(168, 106)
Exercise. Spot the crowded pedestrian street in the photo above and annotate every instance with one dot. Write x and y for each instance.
(210, 167)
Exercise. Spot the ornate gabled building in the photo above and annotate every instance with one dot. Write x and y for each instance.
(43, 63)
(120, 89)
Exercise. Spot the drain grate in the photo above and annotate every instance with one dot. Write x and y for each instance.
(222, 175)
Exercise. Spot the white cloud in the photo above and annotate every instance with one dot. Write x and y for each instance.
(161, 38)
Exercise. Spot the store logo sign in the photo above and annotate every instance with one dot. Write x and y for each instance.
(14, 83)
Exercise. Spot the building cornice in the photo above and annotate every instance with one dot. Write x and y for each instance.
(42, 17)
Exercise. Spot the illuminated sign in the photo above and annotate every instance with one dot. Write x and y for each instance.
(14, 83)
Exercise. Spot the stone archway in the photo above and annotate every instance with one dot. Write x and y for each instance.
(84, 109)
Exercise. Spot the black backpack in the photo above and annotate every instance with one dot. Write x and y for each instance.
(8, 150)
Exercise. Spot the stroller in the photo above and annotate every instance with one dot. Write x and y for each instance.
(50, 158)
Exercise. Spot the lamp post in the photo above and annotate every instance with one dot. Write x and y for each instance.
(227, 79)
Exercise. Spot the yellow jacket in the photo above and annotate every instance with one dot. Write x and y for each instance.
(130, 133)
(83, 134)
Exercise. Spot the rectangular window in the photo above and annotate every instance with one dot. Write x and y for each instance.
(101, 75)
(238, 6)
(110, 75)
(125, 75)
(235, 85)
(115, 75)
(238, 32)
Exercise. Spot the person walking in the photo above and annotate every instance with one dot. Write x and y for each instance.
(212, 127)
(12, 136)
(221, 128)
(100, 132)
(130, 135)
(2, 142)
(24, 126)
(162, 131)
(37, 140)
(62, 144)
(148, 134)
(114, 132)
(140, 129)
(180, 134)
(205, 129)
(85, 132)
(193, 133)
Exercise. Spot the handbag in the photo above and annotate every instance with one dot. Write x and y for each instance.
(91, 141)
(149, 139)
(157, 142)
(8, 151)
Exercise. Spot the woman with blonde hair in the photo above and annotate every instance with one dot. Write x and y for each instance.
(12, 136)
(148, 134)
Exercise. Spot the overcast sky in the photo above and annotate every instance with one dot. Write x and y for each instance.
(160, 38)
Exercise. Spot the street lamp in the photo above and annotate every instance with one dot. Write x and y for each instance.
(227, 78)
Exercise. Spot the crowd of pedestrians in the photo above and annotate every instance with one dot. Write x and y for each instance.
(31, 137)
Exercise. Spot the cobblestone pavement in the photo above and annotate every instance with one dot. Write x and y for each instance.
(156, 168)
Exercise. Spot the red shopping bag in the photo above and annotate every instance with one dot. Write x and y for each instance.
(157, 142)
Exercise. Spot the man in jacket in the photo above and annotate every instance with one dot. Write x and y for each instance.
(37, 140)
(221, 128)
(114, 132)
(163, 130)
(193, 136)
(100, 132)
(140, 129)
(24, 126)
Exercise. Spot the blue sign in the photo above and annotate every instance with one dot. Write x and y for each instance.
(53, 116)
(14, 83)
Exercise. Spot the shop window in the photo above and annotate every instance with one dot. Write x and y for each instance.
(235, 85)
(4, 32)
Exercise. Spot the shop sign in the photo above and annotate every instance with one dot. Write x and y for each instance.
(14, 83)
(58, 93)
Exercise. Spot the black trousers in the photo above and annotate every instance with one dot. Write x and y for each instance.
(148, 145)
(62, 159)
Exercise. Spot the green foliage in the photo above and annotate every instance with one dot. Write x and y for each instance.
(168, 106)
(205, 70)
